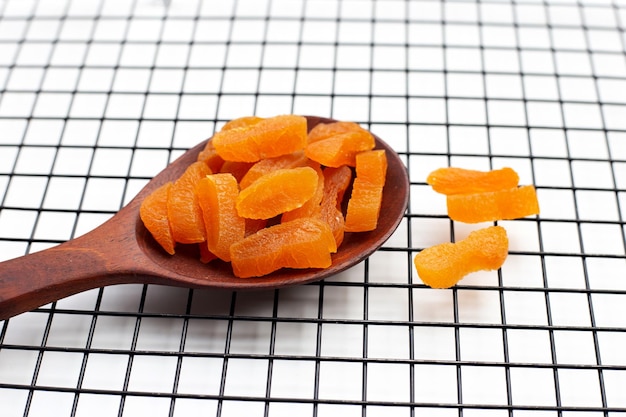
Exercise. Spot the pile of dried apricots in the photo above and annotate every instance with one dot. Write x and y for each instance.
(265, 194)
(474, 197)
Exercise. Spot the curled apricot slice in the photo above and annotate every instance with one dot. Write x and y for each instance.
(301, 243)
(277, 192)
(217, 195)
(267, 138)
(183, 209)
(445, 264)
(452, 180)
(153, 213)
(512, 203)
(367, 191)
(265, 166)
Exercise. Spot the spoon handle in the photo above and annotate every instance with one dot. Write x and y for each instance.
(77, 265)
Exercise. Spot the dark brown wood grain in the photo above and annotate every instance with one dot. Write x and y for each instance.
(122, 251)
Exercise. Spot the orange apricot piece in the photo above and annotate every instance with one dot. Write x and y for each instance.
(217, 195)
(238, 169)
(326, 130)
(153, 213)
(277, 192)
(301, 243)
(183, 209)
(445, 264)
(452, 180)
(268, 138)
(508, 204)
(311, 208)
(209, 156)
(336, 182)
(206, 255)
(265, 166)
(245, 121)
(340, 149)
(367, 191)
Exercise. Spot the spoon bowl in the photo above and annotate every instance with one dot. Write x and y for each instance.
(122, 250)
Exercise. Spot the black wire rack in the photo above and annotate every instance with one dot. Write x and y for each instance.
(98, 96)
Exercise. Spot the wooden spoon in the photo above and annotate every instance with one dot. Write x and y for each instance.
(122, 251)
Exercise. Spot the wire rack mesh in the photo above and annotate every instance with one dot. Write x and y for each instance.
(98, 96)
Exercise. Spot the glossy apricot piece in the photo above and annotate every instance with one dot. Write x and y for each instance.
(277, 192)
(209, 156)
(265, 166)
(206, 255)
(153, 213)
(312, 207)
(367, 191)
(301, 243)
(217, 195)
(508, 204)
(336, 182)
(453, 180)
(445, 264)
(340, 149)
(271, 137)
(326, 130)
(245, 121)
(183, 209)
(238, 169)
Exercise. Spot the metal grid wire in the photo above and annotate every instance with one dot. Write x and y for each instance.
(98, 96)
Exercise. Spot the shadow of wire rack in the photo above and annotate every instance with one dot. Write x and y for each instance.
(98, 96)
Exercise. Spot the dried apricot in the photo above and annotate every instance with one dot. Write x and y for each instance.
(452, 180)
(367, 191)
(508, 204)
(311, 208)
(336, 182)
(326, 130)
(217, 195)
(183, 210)
(340, 149)
(209, 156)
(277, 192)
(245, 121)
(445, 264)
(301, 243)
(153, 213)
(267, 138)
(265, 166)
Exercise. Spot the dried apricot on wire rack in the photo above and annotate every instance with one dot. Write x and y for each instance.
(153, 213)
(266, 138)
(443, 265)
(453, 180)
(301, 243)
(277, 192)
(217, 195)
(508, 204)
(183, 211)
(367, 191)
